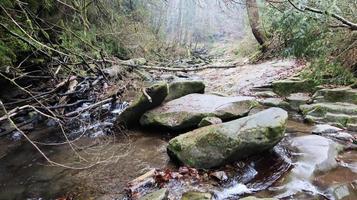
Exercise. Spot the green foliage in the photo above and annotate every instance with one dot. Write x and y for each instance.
(117, 28)
(301, 34)
(309, 35)
(323, 72)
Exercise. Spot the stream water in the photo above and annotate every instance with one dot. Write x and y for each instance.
(24, 173)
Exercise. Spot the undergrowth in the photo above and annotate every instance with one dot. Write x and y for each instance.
(309, 36)
(323, 72)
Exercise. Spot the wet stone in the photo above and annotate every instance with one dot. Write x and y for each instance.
(215, 145)
(297, 99)
(344, 191)
(321, 129)
(188, 111)
(336, 113)
(196, 196)
(345, 94)
(142, 103)
(207, 121)
(266, 94)
(161, 194)
(220, 175)
(182, 88)
(289, 86)
(274, 102)
(256, 198)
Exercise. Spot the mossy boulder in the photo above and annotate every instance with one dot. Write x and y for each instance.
(181, 88)
(345, 94)
(339, 114)
(142, 103)
(216, 145)
(289, 86)
(209, 121)
(188, 111)
(161, 194)
(197, 196)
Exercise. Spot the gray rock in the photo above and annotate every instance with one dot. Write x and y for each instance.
(289, 86)
(196, 196)
(336, 113)
(256, 109)
(321, 129)
(188, 111)
(345, 94)
(216, 145)
(334, 132)
(255, 198)
(161, 194)
(351, 127)
(297, 99)
(343, 136)
(220, 175)
(344, 191)
(274, 102)
(207, 121)
(131, 115)
(181, 88)
(266, 94)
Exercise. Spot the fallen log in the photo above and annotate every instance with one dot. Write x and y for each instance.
(144, 180)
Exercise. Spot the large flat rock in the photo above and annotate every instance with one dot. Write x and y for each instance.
(215, 145)
(188, 111)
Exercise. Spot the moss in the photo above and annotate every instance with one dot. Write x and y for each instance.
(286, 87)
(275, 133)
(179, 89)
(174, 145)
(141, 104)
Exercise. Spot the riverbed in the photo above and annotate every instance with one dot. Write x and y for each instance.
(24, 173)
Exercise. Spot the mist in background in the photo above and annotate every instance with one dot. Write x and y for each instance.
(189, 22)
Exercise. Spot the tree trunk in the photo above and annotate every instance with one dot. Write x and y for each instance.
(254, 21)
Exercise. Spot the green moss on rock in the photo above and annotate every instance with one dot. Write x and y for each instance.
(215, 145)
(289, 86)
(141, 104)
(188, 111)
(182, 88)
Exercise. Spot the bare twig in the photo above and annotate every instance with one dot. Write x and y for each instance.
(349, 24)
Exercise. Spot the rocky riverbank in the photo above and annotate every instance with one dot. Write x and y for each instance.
(188, 140)
(228, 139)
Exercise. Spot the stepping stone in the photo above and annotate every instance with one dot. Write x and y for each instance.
(188, 111)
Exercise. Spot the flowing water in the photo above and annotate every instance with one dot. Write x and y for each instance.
(25, 174)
